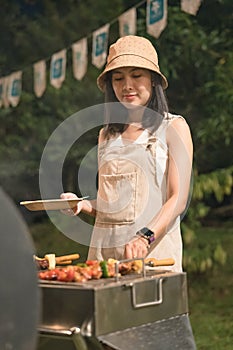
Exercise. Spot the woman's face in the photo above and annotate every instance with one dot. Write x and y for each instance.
(132, 86)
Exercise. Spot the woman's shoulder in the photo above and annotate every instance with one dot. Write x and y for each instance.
(101, 137)
(104, 139)
(169, 120)
(175, 120)
(169, 117)
(178, 127)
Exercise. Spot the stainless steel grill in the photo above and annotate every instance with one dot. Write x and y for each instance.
(84, 315)
(134, 312)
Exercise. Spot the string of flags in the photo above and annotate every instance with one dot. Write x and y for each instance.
(156, 22)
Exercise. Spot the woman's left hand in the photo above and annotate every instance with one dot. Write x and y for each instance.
(136, 248)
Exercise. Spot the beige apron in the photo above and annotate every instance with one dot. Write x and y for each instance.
(132, 190)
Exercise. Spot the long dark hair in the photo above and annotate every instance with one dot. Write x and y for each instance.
(156, 110)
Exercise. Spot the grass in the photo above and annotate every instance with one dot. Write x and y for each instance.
(211, 298)
(210, 294)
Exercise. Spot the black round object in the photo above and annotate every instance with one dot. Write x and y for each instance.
(19, 291)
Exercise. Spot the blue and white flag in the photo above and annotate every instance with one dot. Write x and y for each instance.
(39, 69)
(80, 58)
(127, 22)
(4, 102)
(58, 69)
(156, 17)
(1, 91)
(14, 88)
(100, 46)
(190, 6)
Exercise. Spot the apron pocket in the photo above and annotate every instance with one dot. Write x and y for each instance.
(116, 201)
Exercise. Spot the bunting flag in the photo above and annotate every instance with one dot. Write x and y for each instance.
(190, 6)
(127, 22)
(4, 95)
(156, 14)
(58, 69)
(39, 69)
(156, 22)
(14, 88)
(80, 58)
(1, 91)
(99, 46)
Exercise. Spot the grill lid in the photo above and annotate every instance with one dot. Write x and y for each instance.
(19, 292)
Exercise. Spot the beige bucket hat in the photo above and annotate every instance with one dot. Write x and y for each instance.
(131, 51)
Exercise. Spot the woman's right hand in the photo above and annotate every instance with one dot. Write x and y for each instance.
(72, 211)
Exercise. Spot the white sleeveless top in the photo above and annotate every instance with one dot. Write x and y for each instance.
(132, 190)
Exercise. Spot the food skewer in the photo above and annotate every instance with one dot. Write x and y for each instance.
(152, 262)
(50, 260)
(61, 259)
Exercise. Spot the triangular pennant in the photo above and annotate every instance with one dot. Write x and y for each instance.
(127, 22)
(80, 58)
(5, 87)
(99, 46)
(58, 69)
(156, 14)
(190, 6)
(1, 91)
(39, 69)
(14, 88)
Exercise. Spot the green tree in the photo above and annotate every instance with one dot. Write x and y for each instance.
(195, 54)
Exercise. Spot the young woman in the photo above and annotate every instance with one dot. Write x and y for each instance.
(145, 161)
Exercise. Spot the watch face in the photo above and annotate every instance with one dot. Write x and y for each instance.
(144, 230)
(147, 232)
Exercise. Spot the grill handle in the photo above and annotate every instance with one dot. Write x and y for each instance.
(59, 332)
(158, 301)
(74, 333)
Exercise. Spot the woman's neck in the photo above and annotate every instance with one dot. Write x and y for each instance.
(135, 115)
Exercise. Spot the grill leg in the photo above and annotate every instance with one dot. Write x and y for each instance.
(79, 342)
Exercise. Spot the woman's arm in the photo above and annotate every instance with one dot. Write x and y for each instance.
(180, 154)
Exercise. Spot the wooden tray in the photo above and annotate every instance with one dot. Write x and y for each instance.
(51, 204)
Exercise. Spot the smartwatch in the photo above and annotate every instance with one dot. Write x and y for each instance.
(146, 233)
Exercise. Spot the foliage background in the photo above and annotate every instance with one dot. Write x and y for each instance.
(195, 54)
